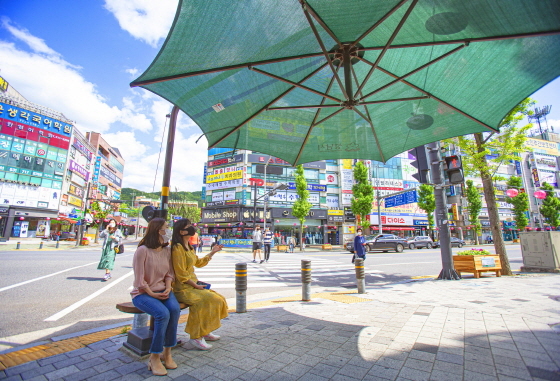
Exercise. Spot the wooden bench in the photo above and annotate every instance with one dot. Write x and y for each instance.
(139, 339)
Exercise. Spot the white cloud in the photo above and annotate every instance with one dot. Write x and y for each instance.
(146, 20)
(133, 72)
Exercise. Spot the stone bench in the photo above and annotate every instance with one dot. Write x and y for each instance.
(139, 338)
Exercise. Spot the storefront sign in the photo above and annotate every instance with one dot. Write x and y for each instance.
(226, 160)
(229, 195)
(77, 179)
(388, 184)
(224, 184)
(332, 201)
(546, 162)
(76, 191)
(217, 196)
(550, 148)
(420, 222)
(331, 212)
(347, 179)
(310, 187)
(331, 219)
(217, 171)
(392, 220)
(43, 228)
(82, 148)
(78, 169)
(314, 214)
(20, 115)
(252, 158)
(75, 201)
(220, 215)
(110, 176)
(535, 173)
(347, 198)
(349, 215)
(332, 179)
(215, 203)
(224, 177)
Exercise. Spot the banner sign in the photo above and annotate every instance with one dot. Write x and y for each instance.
(224, 177)
(82, 148)
(220, 215)
(110, 176)
(226, 160)
(78, 169)
(314, 214)
(401, 199)
(252, 158)
(30, 118)
(310, 187)
(224, 184)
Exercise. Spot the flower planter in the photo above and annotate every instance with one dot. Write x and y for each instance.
(477, 264)
(326, 246)
(282, 248)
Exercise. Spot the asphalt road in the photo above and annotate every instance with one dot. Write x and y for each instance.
(54, 293)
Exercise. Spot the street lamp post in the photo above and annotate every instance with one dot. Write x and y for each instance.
(266, 198)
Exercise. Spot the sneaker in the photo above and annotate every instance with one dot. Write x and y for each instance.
(107, 277)
(200, 344)
(254, 261)
(262, 261)
(211, 337)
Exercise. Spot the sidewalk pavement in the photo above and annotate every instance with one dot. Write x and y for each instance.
(474, 329)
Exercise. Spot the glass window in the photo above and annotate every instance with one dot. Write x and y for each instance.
(23, 178)
(46, 183)
(11, 176)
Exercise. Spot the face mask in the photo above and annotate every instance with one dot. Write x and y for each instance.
(112, 225)
(359, 233)
(167, 236)
(191, 230)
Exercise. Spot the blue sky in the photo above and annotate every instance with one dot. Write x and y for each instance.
(78, 57)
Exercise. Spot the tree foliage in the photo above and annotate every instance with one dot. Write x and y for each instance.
(474, 206)
(427, 202)
(302, 206)
(550, 205)
(498, 148)
(97, 213)
(362, 193)
(520, 203)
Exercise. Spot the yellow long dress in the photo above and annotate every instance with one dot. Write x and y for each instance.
(207, 307)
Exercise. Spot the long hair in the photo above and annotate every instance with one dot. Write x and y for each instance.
(112, 230)
(177, 238)
(151, 238)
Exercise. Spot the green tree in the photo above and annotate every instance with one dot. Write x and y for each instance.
(362, 193)
(520, 203)
(550, 205)
(98, 215)
(301, 207)
(474, 206)
(427, 202)
(504, 147)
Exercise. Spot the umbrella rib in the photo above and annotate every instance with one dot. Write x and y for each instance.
(325, 53)
(385, 17)
(300, 107)
(295, 84)
(411, 72)
(320, 21)
(315, 118)
(392, 100)
(388, 44)
(439, 100)
(268, 104)
(369, 119)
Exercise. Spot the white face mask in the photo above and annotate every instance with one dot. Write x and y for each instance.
(167, 235)
(359, 233)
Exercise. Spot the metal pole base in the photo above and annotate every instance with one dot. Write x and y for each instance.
(449, 274)
(361, 286)
(241, 302)
(306, 292)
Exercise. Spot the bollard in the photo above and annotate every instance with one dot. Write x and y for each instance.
(241, 287)
(57, 242)
(140, 320)
(17, 246)
(305, 280)
(41, 245)
(360, 275)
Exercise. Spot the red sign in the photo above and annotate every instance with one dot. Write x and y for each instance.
(35, 134)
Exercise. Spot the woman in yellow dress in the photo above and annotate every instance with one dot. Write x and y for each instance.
(207, 307)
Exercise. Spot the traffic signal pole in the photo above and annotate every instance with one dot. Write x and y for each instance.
(442, 219)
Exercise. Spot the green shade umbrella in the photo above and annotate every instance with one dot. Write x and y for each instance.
(365, 79)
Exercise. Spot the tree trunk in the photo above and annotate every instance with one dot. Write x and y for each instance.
(490, 197)
(300, 236)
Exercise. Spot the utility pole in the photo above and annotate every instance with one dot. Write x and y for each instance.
(448, 272)
(380, 224)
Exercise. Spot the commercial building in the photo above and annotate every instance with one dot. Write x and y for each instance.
(34, 144)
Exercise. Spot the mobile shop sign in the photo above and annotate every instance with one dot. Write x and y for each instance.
(220, 215)
(226, 160)
(110, 176)
(78, 169)
(20, 115)
(310, 187)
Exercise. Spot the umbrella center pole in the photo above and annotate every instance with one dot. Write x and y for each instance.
(347, 73)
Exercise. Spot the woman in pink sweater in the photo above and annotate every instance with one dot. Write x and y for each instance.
(153, 275)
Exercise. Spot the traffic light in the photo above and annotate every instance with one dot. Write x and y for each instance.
(454, 169)
(421, 163)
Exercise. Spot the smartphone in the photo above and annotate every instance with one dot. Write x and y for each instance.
(206, 285)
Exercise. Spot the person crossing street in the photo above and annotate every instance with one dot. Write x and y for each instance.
(267, 240)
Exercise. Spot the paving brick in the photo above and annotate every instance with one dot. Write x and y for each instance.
(414, 374)
(60, 373)
(106, 376)
(440, 375)
(382, 372)
(52, 359)
(67, 362)
(353, 371)
(79, 352)
(324, 370)
(15, 377)
(130, 368)
(37, 371)
(38, 378)
(474, 376)
(94, 354)
(21, 368)
(82, 375)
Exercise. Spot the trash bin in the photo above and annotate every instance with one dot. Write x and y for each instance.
(540, 251)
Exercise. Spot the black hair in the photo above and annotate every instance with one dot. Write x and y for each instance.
(151, 238)
(177, 238)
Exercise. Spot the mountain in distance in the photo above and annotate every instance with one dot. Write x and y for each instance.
(130, 193)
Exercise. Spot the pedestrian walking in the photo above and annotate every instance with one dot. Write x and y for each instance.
(200, 244)
(153, 277)
(291, 243)
(206, 307)
(112, 239)
(359, 245)
(193, 240)
(257, 244)
(267, 241)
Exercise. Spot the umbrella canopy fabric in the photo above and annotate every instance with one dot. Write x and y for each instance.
(352, 79)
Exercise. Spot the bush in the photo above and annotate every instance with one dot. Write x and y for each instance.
(474, 252)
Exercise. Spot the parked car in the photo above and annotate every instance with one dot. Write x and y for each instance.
(67, 235)
(420, 242)
(381, 242)
(455, 242)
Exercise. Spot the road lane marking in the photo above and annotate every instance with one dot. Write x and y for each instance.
(44, 276)
(71, 308)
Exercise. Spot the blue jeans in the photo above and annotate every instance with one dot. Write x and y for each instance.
(166, 317)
